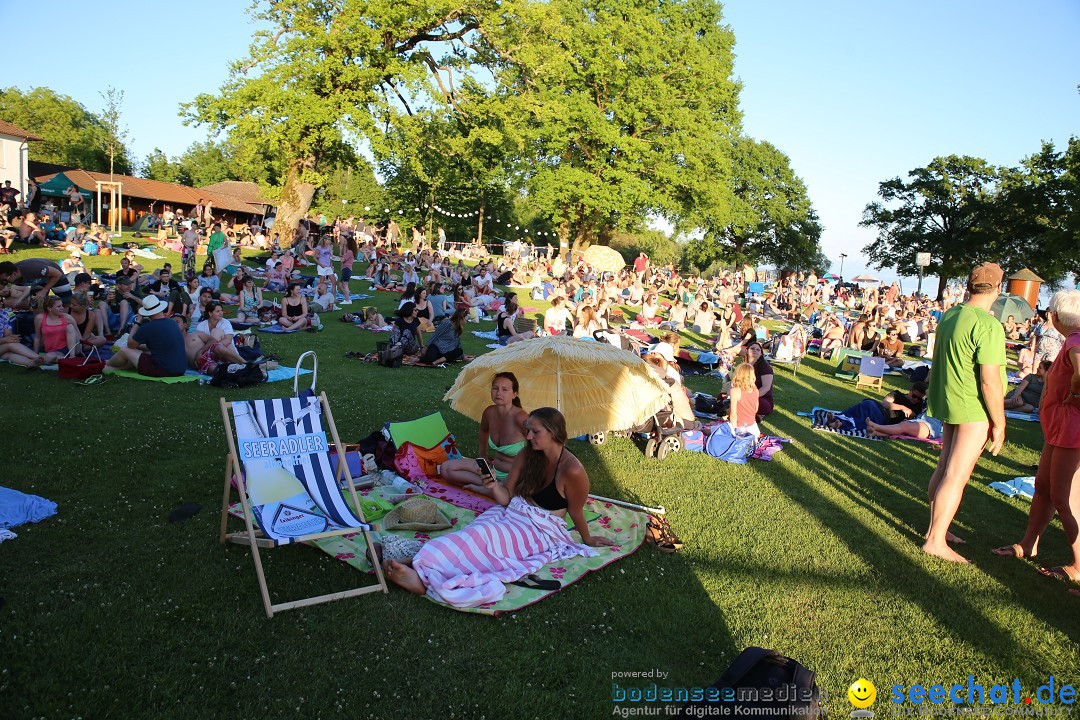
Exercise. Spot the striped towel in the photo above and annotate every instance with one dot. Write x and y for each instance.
(467, 568)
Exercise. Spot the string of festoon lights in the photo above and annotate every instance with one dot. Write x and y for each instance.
(475, 213)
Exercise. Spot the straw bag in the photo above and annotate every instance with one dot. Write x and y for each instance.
(76, 368)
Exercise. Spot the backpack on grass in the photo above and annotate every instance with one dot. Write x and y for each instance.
(236, 375)
(763, 683)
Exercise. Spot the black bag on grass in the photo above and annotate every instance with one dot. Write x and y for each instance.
(235, 375)
(766, 683)
(384, 450)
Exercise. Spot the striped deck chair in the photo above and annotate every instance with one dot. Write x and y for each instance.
(287, 486)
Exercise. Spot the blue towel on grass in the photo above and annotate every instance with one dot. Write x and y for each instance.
(17, 508)
(489, 335)
(1022, 486)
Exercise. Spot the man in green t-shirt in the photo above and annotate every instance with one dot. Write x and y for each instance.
(966, 394)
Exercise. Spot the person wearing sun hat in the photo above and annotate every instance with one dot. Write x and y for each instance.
(967, 382)
(156, 346)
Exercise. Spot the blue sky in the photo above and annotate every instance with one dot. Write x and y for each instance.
(854, 92)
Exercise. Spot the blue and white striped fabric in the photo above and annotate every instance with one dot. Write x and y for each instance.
(322, 508)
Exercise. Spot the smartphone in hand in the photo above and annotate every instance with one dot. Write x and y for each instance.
(485, 468)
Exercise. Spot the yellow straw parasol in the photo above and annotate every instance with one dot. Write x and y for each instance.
(596, 386)
(604, 258)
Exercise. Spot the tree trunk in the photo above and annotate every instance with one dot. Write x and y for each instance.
(941, 283)
(295, 200)
(480, 225)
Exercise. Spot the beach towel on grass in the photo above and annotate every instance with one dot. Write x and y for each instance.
(1019, 486)
(468, 568)
(624, 526)
(278, 330)
(1028, 417)
(17, 508)
(490, 335)
(280, 373)
(817, 423)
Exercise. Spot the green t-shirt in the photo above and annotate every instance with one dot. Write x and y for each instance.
(967, 337)
(217, 240)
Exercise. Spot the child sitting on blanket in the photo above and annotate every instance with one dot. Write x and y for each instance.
(520, 534)
(373, 320)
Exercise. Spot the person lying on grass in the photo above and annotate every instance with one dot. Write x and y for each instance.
(373, 320)
(500, 438)
(211, 343)
(1027, 395)
(516, 537)
(922, 426)
(893, 408)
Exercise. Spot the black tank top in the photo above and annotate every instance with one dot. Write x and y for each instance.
(549, 497)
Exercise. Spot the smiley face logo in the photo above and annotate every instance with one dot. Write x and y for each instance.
(862, 693)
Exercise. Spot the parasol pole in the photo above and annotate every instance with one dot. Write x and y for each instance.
(558, 380)
(632, 506)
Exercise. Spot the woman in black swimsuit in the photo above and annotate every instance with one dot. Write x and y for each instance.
(544, 474)
(294, 309)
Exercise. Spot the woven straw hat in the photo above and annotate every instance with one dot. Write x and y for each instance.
(418, 513)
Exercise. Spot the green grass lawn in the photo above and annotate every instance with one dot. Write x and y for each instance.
(110, 611)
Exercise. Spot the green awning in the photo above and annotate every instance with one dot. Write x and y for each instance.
(57, 186)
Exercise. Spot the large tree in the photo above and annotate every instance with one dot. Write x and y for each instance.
(622, 108)
(944, 209)
(73, 136)
(769, 218)
(324, 71)
(1037, 213)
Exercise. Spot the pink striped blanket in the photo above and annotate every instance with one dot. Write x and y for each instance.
(468, 567)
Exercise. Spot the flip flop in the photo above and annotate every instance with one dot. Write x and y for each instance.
(93, 380)
(534, 582)
(1060, 572)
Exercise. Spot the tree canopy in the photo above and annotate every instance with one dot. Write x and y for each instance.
(73, 136)
(962, 210)
(622, 109)
(324, 71)
(769, 219)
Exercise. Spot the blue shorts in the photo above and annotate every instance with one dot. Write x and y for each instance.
(932, 424)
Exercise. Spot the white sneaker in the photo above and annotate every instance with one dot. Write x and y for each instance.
(347, 301)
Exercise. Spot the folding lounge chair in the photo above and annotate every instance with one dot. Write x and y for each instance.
(797, 336)
(287, 485)
(871, 372)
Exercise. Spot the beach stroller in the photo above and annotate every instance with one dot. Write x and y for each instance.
(279, 463)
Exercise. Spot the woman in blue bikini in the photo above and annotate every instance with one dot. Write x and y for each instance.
(500, 439)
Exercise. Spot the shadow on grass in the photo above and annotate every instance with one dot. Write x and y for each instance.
(902, 575)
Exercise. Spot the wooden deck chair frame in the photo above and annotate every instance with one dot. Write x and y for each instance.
(255, 539)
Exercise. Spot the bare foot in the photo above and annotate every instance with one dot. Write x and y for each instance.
(945, 553)
(1015, 550)
(404, 576)
(954, 539)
